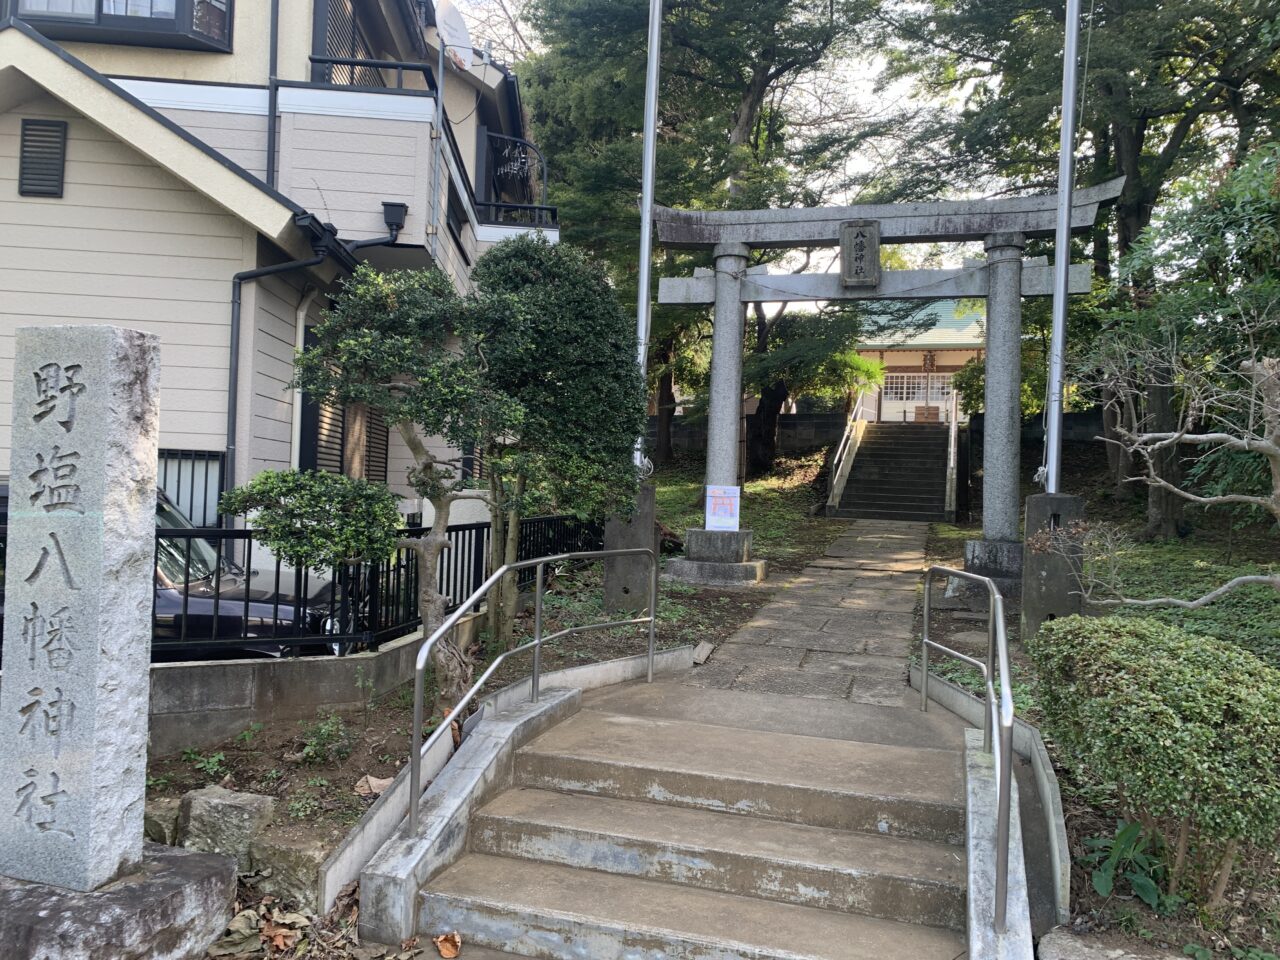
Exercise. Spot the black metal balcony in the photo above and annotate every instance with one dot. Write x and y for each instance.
(513, 184)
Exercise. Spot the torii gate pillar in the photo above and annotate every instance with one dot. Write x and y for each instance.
(999, 553)
(724, 409)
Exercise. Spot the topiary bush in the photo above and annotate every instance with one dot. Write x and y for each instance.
(1184, 729)
(318, 520)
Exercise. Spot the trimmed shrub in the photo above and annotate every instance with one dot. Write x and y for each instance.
(1184, 729)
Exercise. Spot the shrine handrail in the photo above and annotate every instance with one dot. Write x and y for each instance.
(998, 715)
(420, 749)
(845, 452)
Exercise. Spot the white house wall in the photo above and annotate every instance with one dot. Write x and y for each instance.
(131, 245)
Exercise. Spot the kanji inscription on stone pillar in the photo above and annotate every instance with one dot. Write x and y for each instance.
(79, 575)
(860, 253)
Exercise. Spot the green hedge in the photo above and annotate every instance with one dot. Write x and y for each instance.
(1185, 730)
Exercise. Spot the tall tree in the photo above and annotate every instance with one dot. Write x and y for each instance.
(406, 345)
(566, 358)
(740, 123)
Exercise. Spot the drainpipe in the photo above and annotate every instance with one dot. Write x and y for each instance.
(299, 344)
(233, 372)
(273, 93)
(438, 159)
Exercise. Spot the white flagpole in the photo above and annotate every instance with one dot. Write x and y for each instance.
(1062, 251)
(644, 308)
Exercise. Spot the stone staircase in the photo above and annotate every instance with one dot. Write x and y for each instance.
(671, 821)
(899, 473)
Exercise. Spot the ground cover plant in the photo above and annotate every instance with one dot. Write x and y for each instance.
(1214, 549)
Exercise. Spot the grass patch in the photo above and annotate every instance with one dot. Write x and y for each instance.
(775, 508)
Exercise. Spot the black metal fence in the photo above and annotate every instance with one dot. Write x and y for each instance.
(220, 592)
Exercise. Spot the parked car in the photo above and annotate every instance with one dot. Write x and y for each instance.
(207, 605)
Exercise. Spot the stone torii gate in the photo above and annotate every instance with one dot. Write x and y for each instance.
(1004, 278)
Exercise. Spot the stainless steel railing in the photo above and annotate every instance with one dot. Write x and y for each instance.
(424, 651)
(998, 722)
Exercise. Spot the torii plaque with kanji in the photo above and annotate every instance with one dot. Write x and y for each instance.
(860, 253)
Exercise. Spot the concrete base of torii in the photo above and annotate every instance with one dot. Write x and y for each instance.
(719, 558)
(172, 907)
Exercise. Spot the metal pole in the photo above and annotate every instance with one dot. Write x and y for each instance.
(537, 634)
(653, 610)
(644, 308)
(436, 206)
(1062, 250)
(924, 641)
(415, 756)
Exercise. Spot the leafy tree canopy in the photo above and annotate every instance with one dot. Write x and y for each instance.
(567, 358)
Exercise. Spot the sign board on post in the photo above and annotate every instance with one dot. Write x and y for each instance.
(723, 505)
(860, 253)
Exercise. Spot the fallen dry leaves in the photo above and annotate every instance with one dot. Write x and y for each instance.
(449, 945)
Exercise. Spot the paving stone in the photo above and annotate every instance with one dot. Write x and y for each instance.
(861, 664)
(715, 675)
(880, 691)
(759, 653)
(782, 616)
(884, 623)
(890, 646)
(794, 683)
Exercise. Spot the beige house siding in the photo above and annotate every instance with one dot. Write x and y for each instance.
(240, 137)
(343, 168)
(128, 244)
(247, 63)
(272, 402)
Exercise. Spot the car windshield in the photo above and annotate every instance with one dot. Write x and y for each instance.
(173, 560)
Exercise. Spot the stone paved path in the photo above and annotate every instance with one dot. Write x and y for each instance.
(841, 630)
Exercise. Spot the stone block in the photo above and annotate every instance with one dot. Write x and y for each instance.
(993, 558)
(160, 820)
(707, 574)
(217, 820)
(77, 637)
(1061, 944)
(628, 580)
(1050, 581)
(290, 869)
(717, 546)
(171, 907)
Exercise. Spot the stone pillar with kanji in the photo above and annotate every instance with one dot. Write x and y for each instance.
(79, 576)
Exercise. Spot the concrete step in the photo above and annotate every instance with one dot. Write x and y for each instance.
(907, 792)
(552, 911)
(908, 880)
(774, 713)
(864, 513)
(871, 494)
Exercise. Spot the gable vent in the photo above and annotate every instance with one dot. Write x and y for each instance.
(44, 158)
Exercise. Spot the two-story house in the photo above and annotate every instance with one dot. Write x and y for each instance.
(210, 170)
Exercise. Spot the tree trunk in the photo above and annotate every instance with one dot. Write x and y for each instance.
(453, 665)
(762, 429)
(509, 588)
(1119, 459)
(497, 551)
(1164, 507)
(662, 451)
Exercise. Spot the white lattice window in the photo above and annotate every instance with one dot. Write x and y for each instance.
(904, 387)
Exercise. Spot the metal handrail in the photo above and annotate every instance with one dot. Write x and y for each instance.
(420, 749)
(845, 453)
(998, 713)
(399, 66)
(953, 455)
